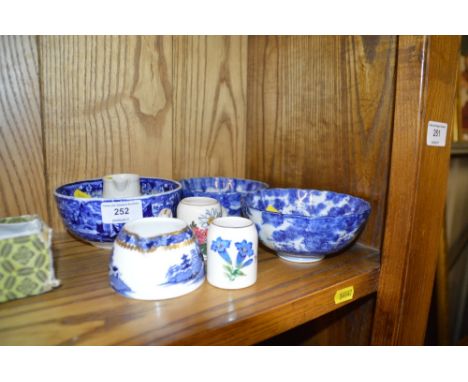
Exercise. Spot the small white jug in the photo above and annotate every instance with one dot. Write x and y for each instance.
(120, 186)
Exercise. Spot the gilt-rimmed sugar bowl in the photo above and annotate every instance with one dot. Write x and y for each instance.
(155, 259)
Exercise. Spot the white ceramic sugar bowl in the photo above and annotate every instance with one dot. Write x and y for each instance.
(232, 253)
(155, 259)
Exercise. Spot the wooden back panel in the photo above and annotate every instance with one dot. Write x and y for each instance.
(210, 106)
(159, 106)
(107, 107)
(22, 178)
(319, 112)
(320, 116)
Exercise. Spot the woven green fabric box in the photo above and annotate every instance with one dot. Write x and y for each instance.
(26, 263)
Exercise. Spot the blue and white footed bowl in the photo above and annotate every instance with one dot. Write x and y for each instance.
(83, 217)
(228, 191)
(305, 225)
(156, 259)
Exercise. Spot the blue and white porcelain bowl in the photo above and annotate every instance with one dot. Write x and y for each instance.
(228, 191)
(98, 220)
(305, 225)
(156, 259)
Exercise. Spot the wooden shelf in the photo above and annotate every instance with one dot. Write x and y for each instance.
(85, 310)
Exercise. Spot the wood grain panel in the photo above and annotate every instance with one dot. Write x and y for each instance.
(320, 115)
(426, 85)
(210, 80)
(86, 311)
(22, 181)
(107, 107)
(347, 326)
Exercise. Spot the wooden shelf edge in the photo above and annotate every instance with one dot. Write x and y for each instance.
(85, 310)
(275, 321)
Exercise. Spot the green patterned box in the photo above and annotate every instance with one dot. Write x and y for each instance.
(26, 263)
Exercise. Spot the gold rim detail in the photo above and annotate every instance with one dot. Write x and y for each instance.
(133, 234)
(166, 247)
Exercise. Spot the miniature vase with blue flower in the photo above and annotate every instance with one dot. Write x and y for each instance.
(232, 253)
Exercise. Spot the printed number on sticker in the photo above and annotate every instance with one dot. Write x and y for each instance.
(436, 134)
(344, 294)
(121, 212)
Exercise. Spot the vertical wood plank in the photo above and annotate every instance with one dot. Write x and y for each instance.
(426, 85)
(320, 115)
(107, 107)
(22, 181)
(210, 74)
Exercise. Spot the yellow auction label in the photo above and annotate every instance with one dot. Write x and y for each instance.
(271, 209)
(81, 194)
(344, 294)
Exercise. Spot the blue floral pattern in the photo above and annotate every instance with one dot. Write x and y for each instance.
(82, 216)
(245, 256)
(220, 246)
(228, 191)
(307, 222)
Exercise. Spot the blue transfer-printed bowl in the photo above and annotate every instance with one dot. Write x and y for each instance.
(228, 191)
(308, 224)
(156, 259)
(84, 217)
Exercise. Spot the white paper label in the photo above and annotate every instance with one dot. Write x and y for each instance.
(121, 212)
(436, 134)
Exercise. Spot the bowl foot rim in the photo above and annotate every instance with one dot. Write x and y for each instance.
(295, 258)
(102, 245)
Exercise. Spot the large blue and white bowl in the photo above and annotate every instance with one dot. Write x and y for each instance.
(305, 225)
(84, 218)
(228, 191)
